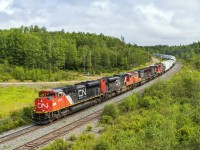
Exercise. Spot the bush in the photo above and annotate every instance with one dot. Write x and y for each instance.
(106, 119)
(84, 141)
(16, 119)
(128, 104)
(5, 70)
(185, 133)
(89, 128)
(5, 77)
(147, 102)
(102, 145)
(18, 73)
(72, 138)
(110, 110)
(58, 144)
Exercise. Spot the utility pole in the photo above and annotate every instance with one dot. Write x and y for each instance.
(90, 61)
(148, 56)
(84, 63)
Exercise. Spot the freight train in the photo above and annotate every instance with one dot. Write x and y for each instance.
(55, 103)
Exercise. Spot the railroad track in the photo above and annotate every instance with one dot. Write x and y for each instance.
(60, 132)
(17, 134)
(43, 140)
(173, 71)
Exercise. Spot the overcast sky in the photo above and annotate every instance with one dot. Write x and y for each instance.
(143, 22)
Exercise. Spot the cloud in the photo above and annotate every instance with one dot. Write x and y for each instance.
(145, 22)
(155, 21)
(5, 6)
(186, 5)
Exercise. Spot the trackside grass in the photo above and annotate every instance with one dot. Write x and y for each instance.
(15, 98)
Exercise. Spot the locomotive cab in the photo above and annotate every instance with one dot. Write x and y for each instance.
(50, 101)
(128, 79)
(136, 78)
(44, 102)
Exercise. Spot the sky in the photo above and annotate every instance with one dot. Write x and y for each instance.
(141, 22)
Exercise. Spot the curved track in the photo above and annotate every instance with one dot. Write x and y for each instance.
(60, 132)
(35, 144)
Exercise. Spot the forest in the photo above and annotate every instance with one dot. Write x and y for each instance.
(33, 53)
(188, 53)
(165, 116)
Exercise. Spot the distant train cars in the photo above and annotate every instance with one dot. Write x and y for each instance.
(169, 62)
(58, 102)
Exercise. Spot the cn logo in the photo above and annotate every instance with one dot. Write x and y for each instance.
(142, 75)
(82, 93)
(117, 83)
(42, 105)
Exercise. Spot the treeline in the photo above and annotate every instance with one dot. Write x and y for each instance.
(36, 48)
(189, 53)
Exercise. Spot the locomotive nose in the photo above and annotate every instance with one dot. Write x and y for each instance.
(42, 105)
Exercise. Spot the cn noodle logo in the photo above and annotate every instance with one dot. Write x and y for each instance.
(117, 83)
(82, 93)
(42, 105)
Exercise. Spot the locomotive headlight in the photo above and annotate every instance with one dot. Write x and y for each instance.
(42, 110)
(34, 110)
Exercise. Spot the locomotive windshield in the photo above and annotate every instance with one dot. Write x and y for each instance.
(41, 94)
(46, 94)
(49, 94)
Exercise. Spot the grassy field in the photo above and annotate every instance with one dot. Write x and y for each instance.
(15, 98)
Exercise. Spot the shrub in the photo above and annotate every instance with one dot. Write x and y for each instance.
(58, 144)
(128, 104)
(18, 73)
(110, 110)
(17, 119)
(89, 128)
(72, 138)
(106, 119)
(147, 102)
(185, 133)
(102, 145)
(84, 141)
(5, 77)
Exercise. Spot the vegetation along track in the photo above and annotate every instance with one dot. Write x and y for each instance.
(60, 132)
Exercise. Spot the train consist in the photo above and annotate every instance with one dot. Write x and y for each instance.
(58, 102)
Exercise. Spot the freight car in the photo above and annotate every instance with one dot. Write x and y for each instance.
(58, 102)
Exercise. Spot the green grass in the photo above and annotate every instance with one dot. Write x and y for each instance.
(15, 98)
